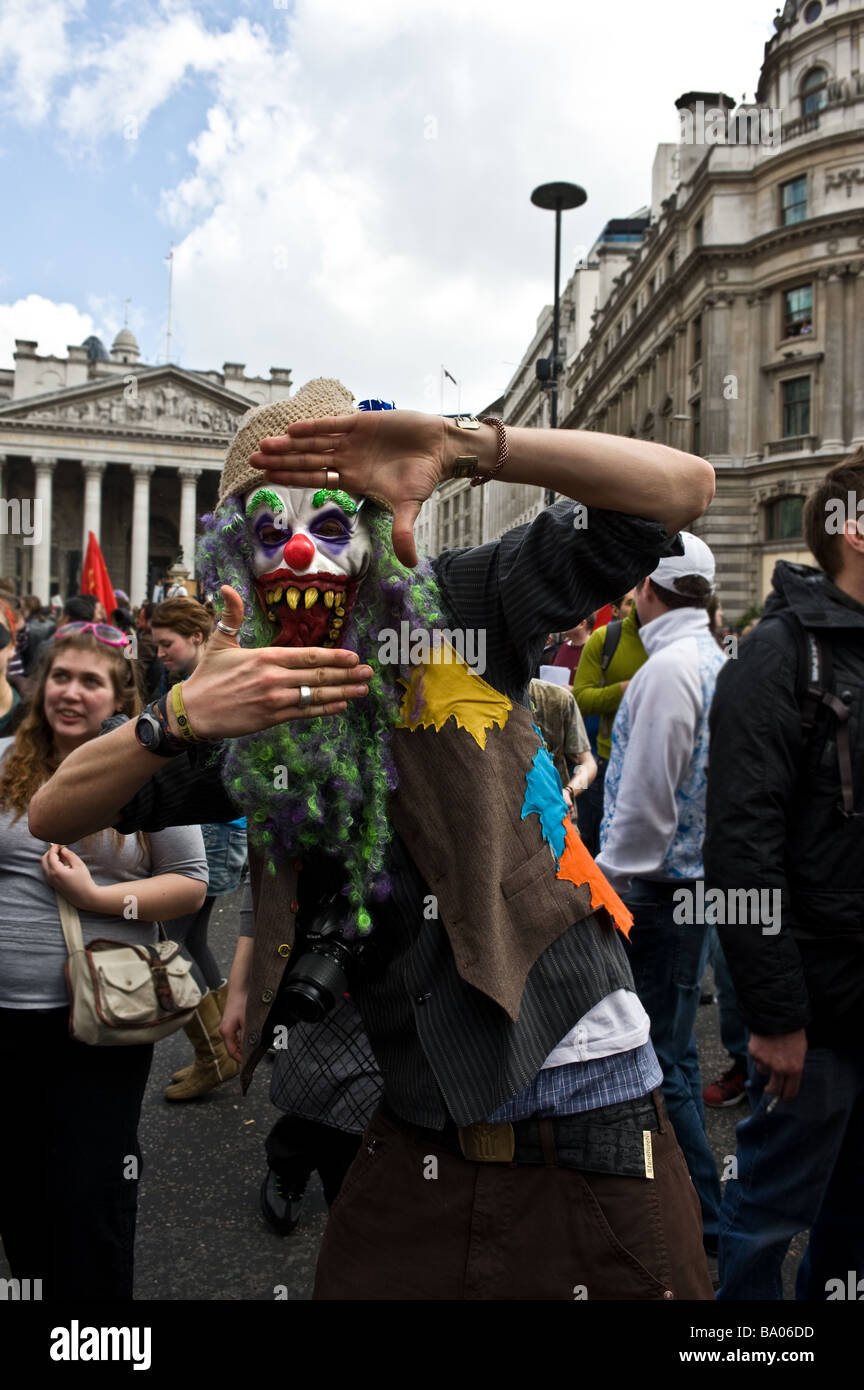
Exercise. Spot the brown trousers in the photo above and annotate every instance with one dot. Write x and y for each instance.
(413, 1222)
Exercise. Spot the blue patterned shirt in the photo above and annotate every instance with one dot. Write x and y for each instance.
(581, 1086)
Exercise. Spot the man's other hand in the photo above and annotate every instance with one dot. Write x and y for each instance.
(783, 1056)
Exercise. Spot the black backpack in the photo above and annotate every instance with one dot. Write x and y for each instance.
(815, 689)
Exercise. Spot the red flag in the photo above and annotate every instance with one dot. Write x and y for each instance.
(602, 616)
(94, 577)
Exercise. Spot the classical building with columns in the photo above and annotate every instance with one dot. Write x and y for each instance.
(728, 317)
(105, 443)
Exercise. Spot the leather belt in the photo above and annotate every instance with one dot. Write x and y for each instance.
(613, 1139)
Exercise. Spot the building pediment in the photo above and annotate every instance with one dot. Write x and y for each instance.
(157, 401)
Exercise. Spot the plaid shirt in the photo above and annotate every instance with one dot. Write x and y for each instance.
(580, 1086)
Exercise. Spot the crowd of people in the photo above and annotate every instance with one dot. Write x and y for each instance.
(479, 904)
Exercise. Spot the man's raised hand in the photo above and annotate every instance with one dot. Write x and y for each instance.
(393, 457)
(238, 690)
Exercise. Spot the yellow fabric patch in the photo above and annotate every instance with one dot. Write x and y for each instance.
(439, 689)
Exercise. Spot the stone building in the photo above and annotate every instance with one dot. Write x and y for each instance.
(105, 443)
(728, 318)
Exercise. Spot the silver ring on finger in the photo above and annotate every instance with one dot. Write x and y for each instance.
(305, 696)
(229, 631)
(331, 478)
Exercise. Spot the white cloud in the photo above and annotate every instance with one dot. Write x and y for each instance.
(34, 53)
(358, 201)
(52, 326)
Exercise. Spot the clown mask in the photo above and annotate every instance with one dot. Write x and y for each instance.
(311, 550)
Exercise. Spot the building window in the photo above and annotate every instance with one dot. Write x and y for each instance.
(793, 200)
(670, 264)
(783, 519)
(651, 284)
(696, 427)
(814, 92)
(798, 312)
(697, 338)
(796, 407)
(812, 12)
(698, 231)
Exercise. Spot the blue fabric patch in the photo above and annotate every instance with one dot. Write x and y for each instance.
(543, 794)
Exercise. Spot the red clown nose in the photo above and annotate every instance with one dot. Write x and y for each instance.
(298, 552)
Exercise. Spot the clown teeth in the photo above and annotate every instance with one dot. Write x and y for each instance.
(329, 597)
(277, 595)
(340, 610)
(292, 597)
(310, 598)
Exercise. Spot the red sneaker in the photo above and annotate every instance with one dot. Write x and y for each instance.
(728, 1089)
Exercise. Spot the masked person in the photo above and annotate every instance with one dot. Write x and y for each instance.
(415, 846)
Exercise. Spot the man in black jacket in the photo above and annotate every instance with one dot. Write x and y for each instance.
(786, 818)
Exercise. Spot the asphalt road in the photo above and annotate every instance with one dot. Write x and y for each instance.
(200, 1232)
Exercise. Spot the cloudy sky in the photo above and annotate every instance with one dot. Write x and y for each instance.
(345, 184)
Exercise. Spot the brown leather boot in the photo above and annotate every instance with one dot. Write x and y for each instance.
(212, 1064)
(220, 995)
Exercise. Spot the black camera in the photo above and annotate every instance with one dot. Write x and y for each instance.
(322, 974)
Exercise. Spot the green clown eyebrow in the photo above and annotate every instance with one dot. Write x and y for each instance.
(326, 494)
(264, 497)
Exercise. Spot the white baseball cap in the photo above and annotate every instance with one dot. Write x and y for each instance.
(697, 559)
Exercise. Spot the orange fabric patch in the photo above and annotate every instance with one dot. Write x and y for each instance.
(577, 865)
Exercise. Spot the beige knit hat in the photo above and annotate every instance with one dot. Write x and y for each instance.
(316, 399)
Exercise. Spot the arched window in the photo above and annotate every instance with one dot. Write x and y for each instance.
(814, 91)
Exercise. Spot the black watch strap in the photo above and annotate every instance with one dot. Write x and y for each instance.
(153, 733)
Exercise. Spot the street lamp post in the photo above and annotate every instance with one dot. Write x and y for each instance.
(557, 197)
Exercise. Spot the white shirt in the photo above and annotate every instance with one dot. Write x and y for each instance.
(653, 823)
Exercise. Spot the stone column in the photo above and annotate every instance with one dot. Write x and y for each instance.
(832, 367)
(142, 473)
(93, 473)
(188, 478)
(41, 582)
(770, 421)
(858, 361)
(715, 408)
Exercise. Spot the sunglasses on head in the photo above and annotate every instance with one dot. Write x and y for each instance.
(103, 632)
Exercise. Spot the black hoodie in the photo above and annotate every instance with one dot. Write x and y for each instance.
(774, 817)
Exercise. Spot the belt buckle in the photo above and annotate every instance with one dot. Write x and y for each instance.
(483, 1143)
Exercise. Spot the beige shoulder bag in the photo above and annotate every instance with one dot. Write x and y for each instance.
(121, 992)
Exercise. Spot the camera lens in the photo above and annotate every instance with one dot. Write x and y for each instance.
(313, 987)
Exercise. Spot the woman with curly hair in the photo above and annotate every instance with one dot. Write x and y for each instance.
(70, 1161)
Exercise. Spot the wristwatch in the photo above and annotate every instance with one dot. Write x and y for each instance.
(465, 466)
(153, 733)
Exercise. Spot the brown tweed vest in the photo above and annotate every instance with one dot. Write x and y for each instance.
(458, 809)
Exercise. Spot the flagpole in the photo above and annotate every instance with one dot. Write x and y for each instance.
(441, 390)
(170, 303)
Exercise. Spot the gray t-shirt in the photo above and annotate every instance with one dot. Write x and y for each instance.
(32, 949)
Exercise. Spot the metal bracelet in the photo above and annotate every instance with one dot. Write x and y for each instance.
(502, 450)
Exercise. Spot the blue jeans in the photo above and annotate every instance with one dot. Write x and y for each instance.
(733, 1033)
(667, 959)
(799, 1166)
